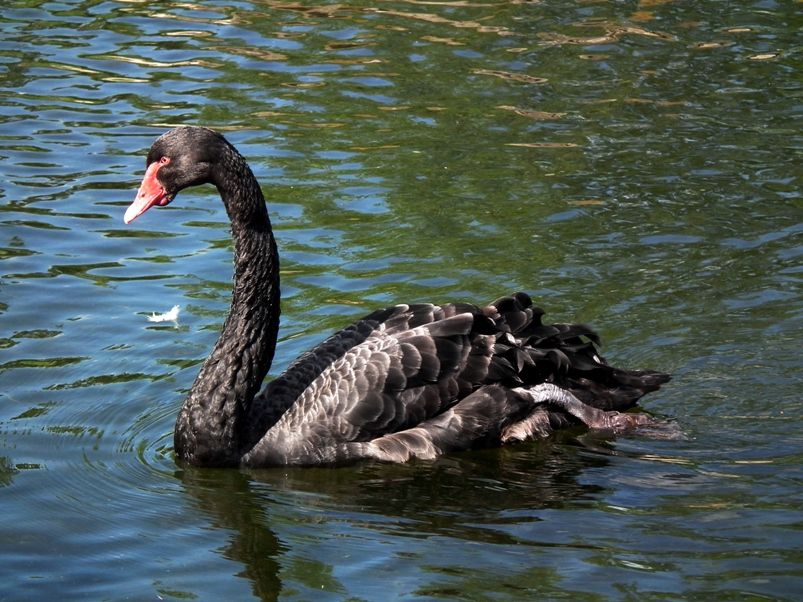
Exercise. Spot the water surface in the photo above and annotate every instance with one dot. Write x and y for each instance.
(635, 166)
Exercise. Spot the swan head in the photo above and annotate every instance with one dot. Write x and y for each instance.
(183, 157)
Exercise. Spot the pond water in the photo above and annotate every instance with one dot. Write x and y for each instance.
(633, 165)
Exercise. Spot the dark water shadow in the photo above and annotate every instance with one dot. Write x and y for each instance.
(226, 497)
(455, 497)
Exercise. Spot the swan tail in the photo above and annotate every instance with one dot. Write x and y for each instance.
(614, 389)
(528, 352)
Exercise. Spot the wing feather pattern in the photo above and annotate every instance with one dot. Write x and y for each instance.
(433, 378)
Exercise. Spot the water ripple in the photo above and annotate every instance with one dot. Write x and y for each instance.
(632, 166)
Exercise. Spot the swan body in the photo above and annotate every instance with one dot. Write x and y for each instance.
(408, 381)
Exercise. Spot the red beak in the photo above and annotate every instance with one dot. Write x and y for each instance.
(150, 193)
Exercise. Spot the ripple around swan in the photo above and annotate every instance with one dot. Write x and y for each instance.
(153, 450)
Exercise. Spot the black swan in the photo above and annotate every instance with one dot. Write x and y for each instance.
(409, 381)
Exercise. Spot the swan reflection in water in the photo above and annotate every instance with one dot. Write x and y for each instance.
(285, 523)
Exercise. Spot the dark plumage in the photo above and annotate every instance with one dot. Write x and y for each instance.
(406, 381)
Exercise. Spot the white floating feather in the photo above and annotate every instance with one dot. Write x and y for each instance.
(170, 316)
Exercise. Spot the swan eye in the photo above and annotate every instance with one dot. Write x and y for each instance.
(164, 160)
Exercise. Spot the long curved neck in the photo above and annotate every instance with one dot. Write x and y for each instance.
(209, 428)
